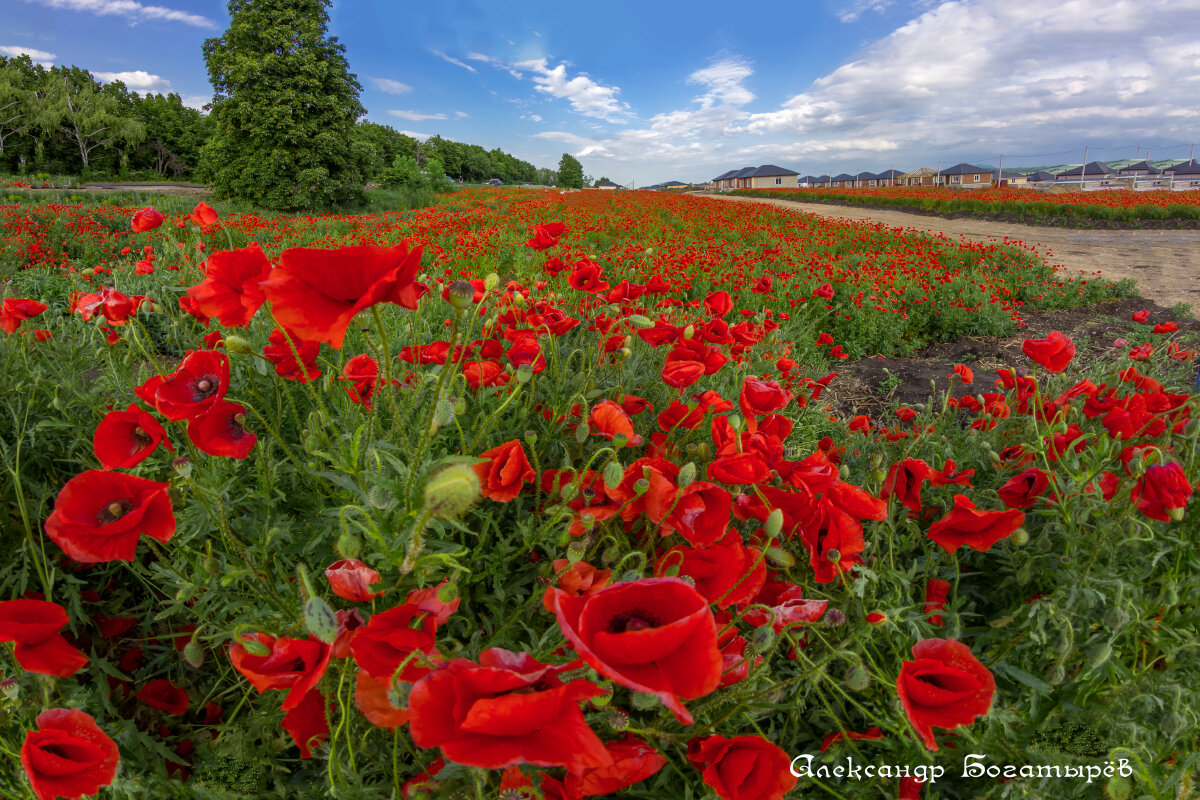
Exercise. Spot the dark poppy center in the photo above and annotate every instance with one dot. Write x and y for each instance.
(938, 681)
(141, 438)
(114, 511)
(633, 620)
(205, 387)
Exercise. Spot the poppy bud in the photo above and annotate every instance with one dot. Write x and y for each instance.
(689, 331)
(461, 295)
(1115, 618)
(236, 344)
(398, 692)
(630, 575)
(774, 523)
(638, 321)
(876, 460)
(1118, 788)
(735, 421)
(193, 653)
(613, 474)
(491, 281)
(1056, 675)
(581, 432)
(844, 472)
(320, 620)
(762, 638)
(780, 557)
(626, 353)
(1192, 428)
(254, 647)
(703, 451)
(687, 474)
(857, 679)
(644, 701)
(1024, 573)
(1020, 537)
(443, 412)
(449, 493)
(347, 546)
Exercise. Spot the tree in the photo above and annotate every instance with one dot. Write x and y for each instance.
(18, 78)
(599, 181)
(86, 113)
(174, 134)
(570, 172)
(284, 109)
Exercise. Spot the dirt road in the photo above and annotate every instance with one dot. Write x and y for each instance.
(1165, 264)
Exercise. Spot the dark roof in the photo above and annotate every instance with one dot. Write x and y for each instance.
(610, 183)
(812, 178)
(725, 175)
(889, 175)
(674, 183)
(1186, 168)
(965, 169)
(843, 177)
(866, 176)
(1141, 166)
(771, 171)
(1041, 175)
(1096, 168)
(745, 172)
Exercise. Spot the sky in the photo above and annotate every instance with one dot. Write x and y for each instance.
(647, 91)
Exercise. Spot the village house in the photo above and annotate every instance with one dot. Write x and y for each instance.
(769, 176)
(1041, 176)
(922, 176)
(1096, 171)
(1142, 169)
(1010, 177)
(1183, 176)
(609, 186)
(890, 177)
(966, 176)
(844, 181)
(866, 179)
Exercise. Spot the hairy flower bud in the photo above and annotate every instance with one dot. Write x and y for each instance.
(236, 344)
(347, 545)
(857, 679)
(449, 493)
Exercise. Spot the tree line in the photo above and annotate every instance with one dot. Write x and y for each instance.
(62, 120)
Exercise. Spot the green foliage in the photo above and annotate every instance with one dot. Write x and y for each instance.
(86, 114)
(570, 172)
(230, 774)
(284, 109)
(1070, 738)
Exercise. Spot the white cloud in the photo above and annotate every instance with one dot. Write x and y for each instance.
(462, 114)
(137, 80)
(452, 60)
(390, 86)
(133, 11)
(37, 56)
(586, 96)
(852, 12)
(531, 117)
(415, 116)
(196, 101)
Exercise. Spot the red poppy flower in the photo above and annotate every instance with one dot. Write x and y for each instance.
(351, 579)
(633, 762)
(1165, 327)
(374, 700)
(904, 481)
(762, 285)
(165, 696)
(1024, 489)
(870, 734)
(16, 310)
(306, 722)
(725, 573)
(504, 473)
(944, 687)
(230, 291)
(700, 513)
(293, 664)
(221, 431)
(34, 626)
(1162, 492)
(99, 515)
(315, 293)
(608, 419)
(788, 606)
(742, 768)
(655, 635)
(427, 600)
(145, 219)
(113, 305)
(910, 789)
(283, 356)
(391, 638)
(964, 373)
(936, 591)
(718, 303)
(546, 235)
(200, 380)
(126, 438)
(484, 373)
(967, 525)
(824, 291)
(204, 215)
(67, 755)
(362, 372)
(681, 374)
(581, 577)
(588, 276)
(1054, 352)
(507, 709)
(1141, 316)
(526, 350)
(759, 398)
(739, 468)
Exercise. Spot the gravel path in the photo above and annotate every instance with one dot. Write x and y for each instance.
(1165, 264)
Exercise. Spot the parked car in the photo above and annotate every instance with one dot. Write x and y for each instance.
(495, 182)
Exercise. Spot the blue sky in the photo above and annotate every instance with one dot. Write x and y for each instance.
(645, 91)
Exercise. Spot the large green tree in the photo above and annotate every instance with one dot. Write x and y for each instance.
(570, 172)
(88, 115)
(284, 109)
(19, 78)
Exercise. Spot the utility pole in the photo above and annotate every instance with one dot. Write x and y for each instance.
(1083, 169)
(937, 179)
(1000, 177)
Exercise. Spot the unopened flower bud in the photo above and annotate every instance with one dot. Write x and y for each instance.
(762, 638)
(193, 652)
(638, 321)
(643, 701)
(1020, 537)
(689, 331)
(491, 281)
(347, 545)
(449, 493)
(687, 474)
(774, 523)
(236, 344)
(857, 679)
(254, 647)
(1056, 675)
(320, 619)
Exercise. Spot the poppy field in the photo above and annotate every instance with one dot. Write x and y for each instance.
(532, 494)
(1127, 208)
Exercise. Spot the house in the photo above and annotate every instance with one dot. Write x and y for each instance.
(845, 181)
(890, 177)
(1092, 171)
(1010, 177)
(966, 176)
(769, 176)
(866, 179)
(718, 182)
(819, 180)
(922, 176)
(609, 186)
(1142, 169)
(1040, 176)
(741, 178)
(1184, 176)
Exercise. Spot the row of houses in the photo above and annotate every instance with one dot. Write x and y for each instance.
(1096, 173)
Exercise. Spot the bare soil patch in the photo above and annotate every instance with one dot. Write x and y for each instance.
(1164, 263)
